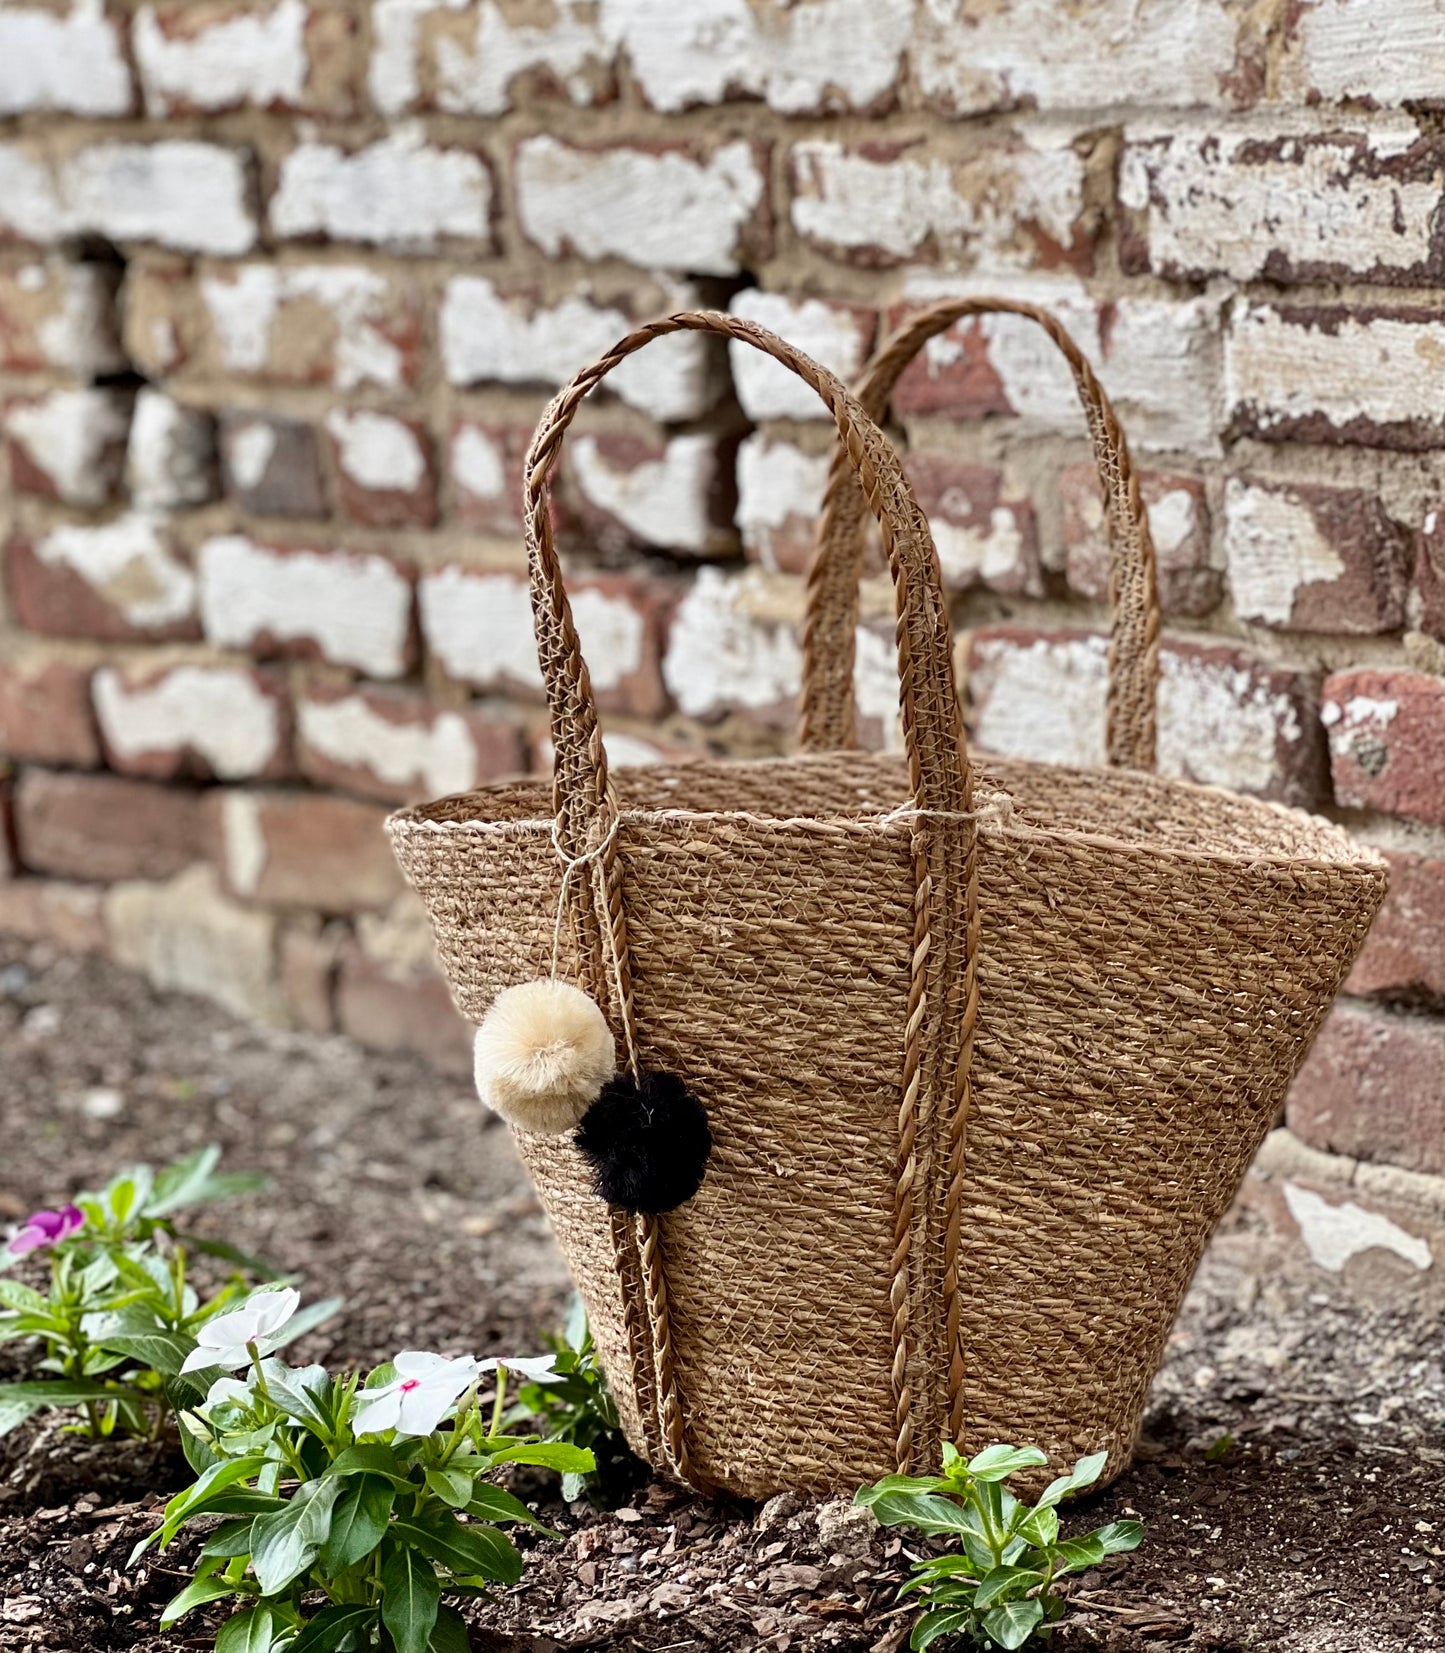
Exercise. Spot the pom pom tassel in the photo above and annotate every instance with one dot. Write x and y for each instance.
(542, 1055)
(647, 1141)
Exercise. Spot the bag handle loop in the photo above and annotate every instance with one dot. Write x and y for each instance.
(939, 774)
(836, 567)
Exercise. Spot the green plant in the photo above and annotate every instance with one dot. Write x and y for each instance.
(120, 1316)
(352, 1508)
(574, 1405)
(998, 1587)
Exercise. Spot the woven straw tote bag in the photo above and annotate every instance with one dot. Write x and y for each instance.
(985, 1056)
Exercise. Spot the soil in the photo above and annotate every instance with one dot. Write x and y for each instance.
(1289, 1477)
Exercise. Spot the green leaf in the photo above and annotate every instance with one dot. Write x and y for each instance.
(15, 1296)
(285, 1543)
(247, 1261)
(373, 1458)
(1041, 1527)
(163, 1351)
(996, 1462)
(63, 1392)
(463, 1550)
(1083, 1474)
(452, 1485)
(570, 1460)
(924, 1510)
(1012, 1624)
(296, 1397)
(1118, 1536)
(198, 1452)
(173, 1185)
(1076, 1554)
(357, 1522)
(1004, 1581)
(253, 1630)
(331, 1627)
(870, 1495)
(13, 1413)
(195, 1595)
(410, 1598)
(449, 1633)
(230, 1539)
(202, 1494)
(933, 1625)
(489, 1503)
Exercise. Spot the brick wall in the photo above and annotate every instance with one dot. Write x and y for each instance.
(283, 288)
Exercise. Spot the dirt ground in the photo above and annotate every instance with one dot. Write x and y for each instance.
(1289, 1478)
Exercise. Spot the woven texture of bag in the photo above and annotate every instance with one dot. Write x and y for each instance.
(985, 1054)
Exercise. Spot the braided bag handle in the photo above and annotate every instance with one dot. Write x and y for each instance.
(944, 965)
(932, 725)
(833, 575)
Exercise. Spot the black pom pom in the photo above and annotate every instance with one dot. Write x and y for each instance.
(647, 1141)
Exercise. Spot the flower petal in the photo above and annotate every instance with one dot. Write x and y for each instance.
(418, 1363)
(375, 1410)
(272, 1309)
(423, 1408)
(29, 1238)
(534, 1368)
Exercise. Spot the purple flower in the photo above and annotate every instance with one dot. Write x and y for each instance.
(45, 1228)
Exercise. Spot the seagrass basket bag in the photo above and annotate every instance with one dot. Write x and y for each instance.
(984, 1055)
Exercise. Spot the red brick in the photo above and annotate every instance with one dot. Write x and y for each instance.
(1374, 1088)
(45, 714)
(1179, 527)
(408, 1012)
(1308, 558)
(302, 849)
(69, 916)
(58, 315)
(1404, 954)
(952, 377)
(982, 537)
(486, 467)
(105, 827)
(202, 721)
(69, 445)
(385, 473)
(396, 746)
(675, 494)
(272, 466)
(1430, 573)
(118, 581)
(1387, 741)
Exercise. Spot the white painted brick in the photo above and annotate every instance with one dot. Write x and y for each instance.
(1342, 371)
(780, 495)
(836, 336)
(727, 652)
(355, 609)
(129, 564)
(30, 204)
(170, 454)
(362, 311)
(59, 314)
(70, 437)
(1293, 206)
(1339, 49)
(473, 67)
(434, 759)
(516, 339)
(1158, 363)
(1275, 545)
(183, 194)
(664, 210)
(829, 55)
(1220, 723)
(664, 502)
(886, 210)
(68, 61)
(478, 626)
(399, 192)
(219, 712)
(376, 450)
(253, 57)
(1038, 54)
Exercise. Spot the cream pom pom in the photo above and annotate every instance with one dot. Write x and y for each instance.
(542, 1054)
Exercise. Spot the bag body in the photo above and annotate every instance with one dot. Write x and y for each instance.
(985, 1056)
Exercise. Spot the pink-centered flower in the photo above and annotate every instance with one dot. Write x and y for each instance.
(424, 1390)
(46, 1228)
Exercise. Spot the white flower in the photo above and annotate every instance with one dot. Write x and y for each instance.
(223, 1341)
(531, 1368)
(424, 1390)
(227, 1391)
